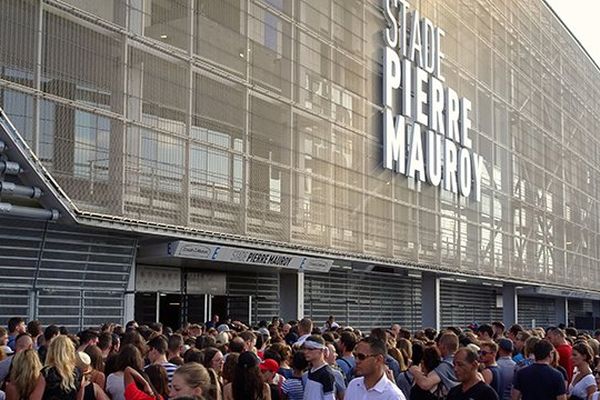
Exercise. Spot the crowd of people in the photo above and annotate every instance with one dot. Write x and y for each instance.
(227, 360)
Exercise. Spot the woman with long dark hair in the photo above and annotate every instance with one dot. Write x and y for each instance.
(129, 356)
(97, 364)
(213, 362)
(247, 381)
(431, 359)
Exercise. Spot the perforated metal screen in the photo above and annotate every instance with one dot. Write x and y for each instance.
(363, 300)
(61, 274)
(263, 289)
(462, 304)
(579, 309)
(538, 311)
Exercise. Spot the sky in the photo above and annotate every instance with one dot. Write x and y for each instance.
(581, 16)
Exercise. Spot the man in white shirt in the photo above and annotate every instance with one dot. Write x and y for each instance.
(305, 327)
(373, 383)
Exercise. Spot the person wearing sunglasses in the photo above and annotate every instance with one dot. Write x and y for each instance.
(490, 371)
(372, 382)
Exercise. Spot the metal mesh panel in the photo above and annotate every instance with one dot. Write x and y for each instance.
(163, 20)
(71, 259)
(20, 252)
(542, 310)
(462, 304)
(18, 54)
(13, 302)
(74, 277)
(264, 289)
(363, 300)
(195, 305)
(276, 65)
(109, 10)
(100, 307)
(79, 63)
(220, 33)
(579, 309)
(60, 307)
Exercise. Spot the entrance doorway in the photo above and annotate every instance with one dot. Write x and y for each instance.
(238, 308)
(197, 309)
(145, 308)
(172, 309)
(169, 311)
(158, 307)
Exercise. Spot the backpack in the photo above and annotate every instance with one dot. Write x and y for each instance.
(441, 392)
(350, 375)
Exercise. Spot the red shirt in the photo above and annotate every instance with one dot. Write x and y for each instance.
(133, 393)
(564, 351)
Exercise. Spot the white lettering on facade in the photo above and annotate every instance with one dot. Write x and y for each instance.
(426, 126)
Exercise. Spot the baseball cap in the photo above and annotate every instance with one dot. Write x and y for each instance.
(223, 328)
(269, 365)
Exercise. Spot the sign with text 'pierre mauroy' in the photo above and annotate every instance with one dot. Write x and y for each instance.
(425, 124)
(200, 251)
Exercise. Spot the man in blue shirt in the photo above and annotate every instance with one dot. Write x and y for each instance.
(346, 362)
(16, 326)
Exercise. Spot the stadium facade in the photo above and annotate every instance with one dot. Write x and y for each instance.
(423, 162)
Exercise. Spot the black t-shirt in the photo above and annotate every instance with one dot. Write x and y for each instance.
(416, 393)
(563, 372)
(53, 389)
(479, 391)
(528, 381)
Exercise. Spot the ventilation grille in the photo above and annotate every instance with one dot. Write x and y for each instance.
(542, 310)
(363, 300)
(61, 274)
(264, 289)
(462, 304)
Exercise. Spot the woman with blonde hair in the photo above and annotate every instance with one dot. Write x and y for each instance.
(25, 371)
(190, 380)
(60, 378)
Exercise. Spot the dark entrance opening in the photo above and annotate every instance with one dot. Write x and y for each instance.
(235, 307)
(219, 307)
(145, 308)
(196, 309)
(170, 310)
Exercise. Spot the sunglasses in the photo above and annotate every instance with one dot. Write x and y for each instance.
(363, 357)
(484, 353)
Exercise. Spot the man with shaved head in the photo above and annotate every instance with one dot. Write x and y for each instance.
(22, 342)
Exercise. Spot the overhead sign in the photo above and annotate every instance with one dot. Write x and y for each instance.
(199, 251)
(425, 124)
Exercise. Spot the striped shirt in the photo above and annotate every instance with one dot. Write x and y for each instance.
(170, 368)
(294, 388)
